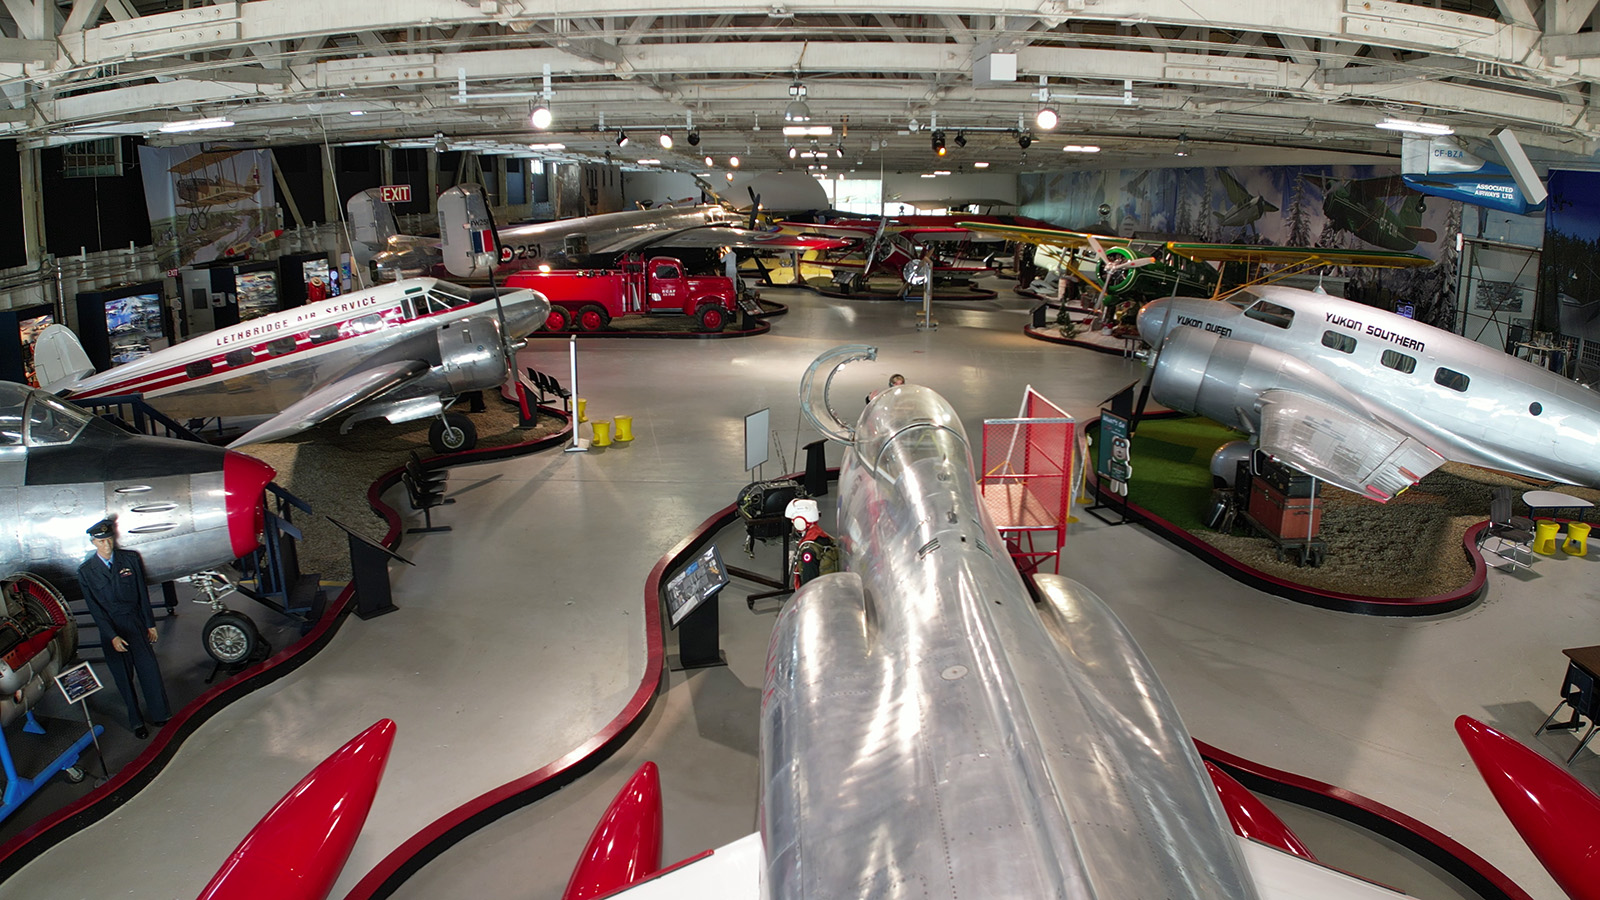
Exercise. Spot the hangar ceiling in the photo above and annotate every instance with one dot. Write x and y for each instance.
(1130, 76)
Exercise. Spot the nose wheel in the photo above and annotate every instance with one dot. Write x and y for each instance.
(231, 638)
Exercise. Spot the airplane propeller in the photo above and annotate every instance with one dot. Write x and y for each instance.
(872, 248)
(755, 206)
(1113, 263)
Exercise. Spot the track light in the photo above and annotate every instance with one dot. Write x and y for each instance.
(1024, 139)
(666, 141)
(622, 138)
(1046, 119)
(938, 143)
(961, 139)
(710, 161)
(733, 162)
(693, 138)
(839, 151)
(439, 143)
(793, 152)
(541, 117)
(1183, 146)
(797, 110)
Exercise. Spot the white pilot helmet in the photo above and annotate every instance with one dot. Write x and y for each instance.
(802, 513)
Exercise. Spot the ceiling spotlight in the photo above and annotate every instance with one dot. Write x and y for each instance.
(439, 144)
(694, 138)
(541, 117)
(961, 139)
(793, 152)
(728, 175)
(710, 161)
(1024, 139)
(1183, 146)
(797, 110)
(666, 141)
(839, 151)
(733, 162)
(938, 143)
(1046, 119)
(622, 138)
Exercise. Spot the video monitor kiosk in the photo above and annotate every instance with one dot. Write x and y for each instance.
(305, 278)
(18, 329)
(119, 325)
(257, 288)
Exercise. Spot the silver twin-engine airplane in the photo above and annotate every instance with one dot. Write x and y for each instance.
(402, 351)
(930, 730)
(1365, 399)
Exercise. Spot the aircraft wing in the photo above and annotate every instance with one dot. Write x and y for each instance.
(1236, 191)
(1048, 237)
(1299, 257)
(1345, 448)
(332, 399)
(730, 872)
(709, 236)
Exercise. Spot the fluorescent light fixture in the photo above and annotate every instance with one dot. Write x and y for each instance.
(980, 165)
(1415, 127)
(541, 117)
(197, 124)
(547, 146)
(1080, 148)
(928, 175)
(807, 130)
(1046, 119)
(941, 171)
(649, 162)
(358, 112)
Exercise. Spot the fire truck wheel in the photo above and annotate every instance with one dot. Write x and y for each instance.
(713, 318)
(230, 637)
(592, 317)
(558, 320)
(452, 434)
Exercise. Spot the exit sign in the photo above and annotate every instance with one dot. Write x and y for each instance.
(395, 193)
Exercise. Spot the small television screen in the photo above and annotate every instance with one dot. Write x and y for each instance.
(258, 294)
(28, 329)
(134, 323)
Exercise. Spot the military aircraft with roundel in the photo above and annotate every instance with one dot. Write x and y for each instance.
(890, 245)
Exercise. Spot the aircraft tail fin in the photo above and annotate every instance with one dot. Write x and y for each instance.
(59, 359)
(372, 223)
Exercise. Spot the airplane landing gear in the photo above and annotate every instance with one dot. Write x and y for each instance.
(452, 433)
(230, 637)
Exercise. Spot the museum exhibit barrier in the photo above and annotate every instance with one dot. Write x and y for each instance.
(1027, 481)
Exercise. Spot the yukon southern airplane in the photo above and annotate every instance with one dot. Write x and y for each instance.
(401, 351)
(929, 730)
(1365, 399)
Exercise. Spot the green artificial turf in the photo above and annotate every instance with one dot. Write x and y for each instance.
(1172, 467)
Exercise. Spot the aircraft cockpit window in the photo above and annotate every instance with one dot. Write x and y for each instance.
(666, 272)
(449, 295)
(1271, 313)
(1451, 379)
(53, 422)
(1343, 343)
(11, 424)
(437, 303)
(1399, 362)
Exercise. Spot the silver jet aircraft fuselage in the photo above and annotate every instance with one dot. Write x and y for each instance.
(1464, 401)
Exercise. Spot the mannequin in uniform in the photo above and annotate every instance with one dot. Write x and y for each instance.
(119, 602)
(815, 554)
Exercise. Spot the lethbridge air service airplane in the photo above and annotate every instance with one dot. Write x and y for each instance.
(1365, 399)
(402, 351)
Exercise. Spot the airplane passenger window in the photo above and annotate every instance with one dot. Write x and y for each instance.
(200, 368)
(364, 324)
(1343, 343)
(1451, 379)
(1271, 313)
(1399, 362)
(280, 346)
(323, 334)
(666, 272)
(53, 422)
(244, 356)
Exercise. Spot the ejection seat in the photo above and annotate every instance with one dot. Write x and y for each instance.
(1506, 542)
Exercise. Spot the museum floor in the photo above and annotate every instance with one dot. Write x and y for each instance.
(520, 634)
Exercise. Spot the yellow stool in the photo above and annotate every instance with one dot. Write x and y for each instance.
(583, 410)
(1544, 537)
(1577, 542)
(602, 433)
(624, 428)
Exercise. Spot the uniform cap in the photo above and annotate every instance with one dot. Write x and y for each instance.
(103, 529)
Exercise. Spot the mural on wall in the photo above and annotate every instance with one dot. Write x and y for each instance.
(1569, 284)
(207, 205)
(1282, 206)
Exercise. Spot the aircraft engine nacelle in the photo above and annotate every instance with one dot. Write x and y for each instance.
(1202, 373)
(471, 355)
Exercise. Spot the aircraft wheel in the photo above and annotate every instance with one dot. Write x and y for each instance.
(592, 317)
(713, 318)
(452, 434)
(558, 320)
(230, 637)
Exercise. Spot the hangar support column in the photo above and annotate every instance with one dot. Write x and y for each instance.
(32, 206)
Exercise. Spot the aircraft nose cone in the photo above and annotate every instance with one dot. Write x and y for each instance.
(1153, 321)
(244, 478)
(526, 312)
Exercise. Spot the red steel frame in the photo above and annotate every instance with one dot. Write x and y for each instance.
(1027, 480)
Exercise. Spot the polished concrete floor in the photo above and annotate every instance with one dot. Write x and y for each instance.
(520, 633)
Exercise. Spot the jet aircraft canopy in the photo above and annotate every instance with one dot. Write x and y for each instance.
(33, 419)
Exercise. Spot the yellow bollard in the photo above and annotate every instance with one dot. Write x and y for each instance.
(1577, 542)
(624, 428)
(583, 410)
(1544, 540)
(602, 433)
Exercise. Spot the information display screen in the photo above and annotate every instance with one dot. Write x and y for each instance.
(134, 322)
(258, 294)
(697, 583)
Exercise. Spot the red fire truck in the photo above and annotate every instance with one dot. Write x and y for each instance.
(588, 299)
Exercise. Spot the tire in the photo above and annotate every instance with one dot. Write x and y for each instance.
(713, 318)
(230, 637)
(73, 774)
(558, 320)
(46, 605)
(591, 317)
(452, 434)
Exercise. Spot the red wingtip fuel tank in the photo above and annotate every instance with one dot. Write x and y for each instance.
(626, 845)
(297, 850)
(1556, 815)
(1251, 818)
(243, 480)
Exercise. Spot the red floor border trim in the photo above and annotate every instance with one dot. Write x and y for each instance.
(41, 836)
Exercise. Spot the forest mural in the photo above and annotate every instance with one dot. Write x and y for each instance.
(1569, 285)
(1286, 206)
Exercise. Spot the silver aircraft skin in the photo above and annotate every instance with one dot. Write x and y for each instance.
(401, 351)
(183, 506)
(1363, 398)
